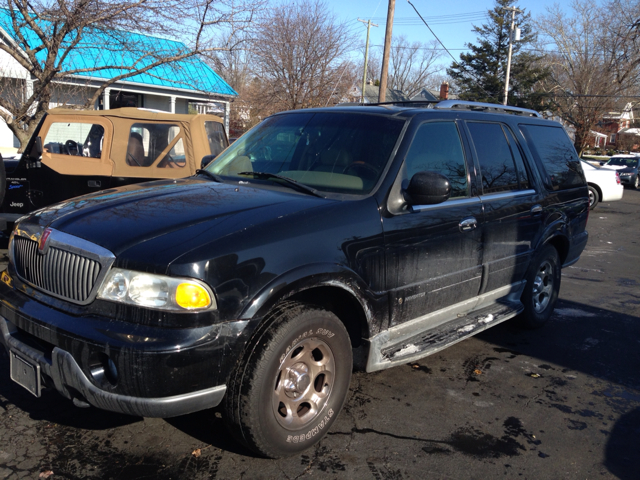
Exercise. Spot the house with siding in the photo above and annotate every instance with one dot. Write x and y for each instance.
(185, 86)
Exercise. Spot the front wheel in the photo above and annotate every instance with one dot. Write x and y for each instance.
(636, 184)
(542, 288)
(291, 383)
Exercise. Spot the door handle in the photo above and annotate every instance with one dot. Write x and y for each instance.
(468, 224)
(536, 210)
(94, 183)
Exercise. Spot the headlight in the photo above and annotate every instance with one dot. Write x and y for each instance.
(156, 291)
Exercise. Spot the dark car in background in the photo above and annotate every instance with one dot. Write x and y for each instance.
(627, 167)
(320, 239)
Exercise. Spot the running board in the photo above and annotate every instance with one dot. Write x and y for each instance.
(432, 333)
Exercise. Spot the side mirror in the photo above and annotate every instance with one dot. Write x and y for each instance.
(206, 160)
(427, 188)
(36, 150)
(602, 163)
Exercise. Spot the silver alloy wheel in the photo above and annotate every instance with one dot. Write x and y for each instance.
(592, 197)
(637, 182)
(304, 383)
(542, 287)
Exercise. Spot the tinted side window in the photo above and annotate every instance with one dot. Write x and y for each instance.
(436, 147)
(497, 167)
(554, 150)
(523, 176)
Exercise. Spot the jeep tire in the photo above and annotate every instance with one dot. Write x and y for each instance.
(541, 291)
(292, 381)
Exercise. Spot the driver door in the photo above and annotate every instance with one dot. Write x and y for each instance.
(75, 160)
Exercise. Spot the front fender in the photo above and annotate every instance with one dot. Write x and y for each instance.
(312, 276)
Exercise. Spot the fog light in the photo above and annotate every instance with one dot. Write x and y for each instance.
(103, 370)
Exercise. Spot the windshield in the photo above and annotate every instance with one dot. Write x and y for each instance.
(624, 162)
(331, 152)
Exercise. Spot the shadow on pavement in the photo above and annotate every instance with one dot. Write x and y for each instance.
(599, 343)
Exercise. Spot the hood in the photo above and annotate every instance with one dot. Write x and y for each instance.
(195, 210)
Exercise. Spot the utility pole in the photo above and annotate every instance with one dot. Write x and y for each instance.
(366, 57)
(513, 11)
(385, 55)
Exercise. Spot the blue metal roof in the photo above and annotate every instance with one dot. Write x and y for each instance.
(109, 50)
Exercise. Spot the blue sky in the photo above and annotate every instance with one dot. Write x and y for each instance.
(451, 20)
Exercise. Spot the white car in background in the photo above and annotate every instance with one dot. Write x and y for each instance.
(604, 184)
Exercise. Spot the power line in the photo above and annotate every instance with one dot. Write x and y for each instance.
(445, 48)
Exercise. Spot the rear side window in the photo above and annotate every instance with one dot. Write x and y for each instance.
(554, 150)
(496, 157)
(156, 144)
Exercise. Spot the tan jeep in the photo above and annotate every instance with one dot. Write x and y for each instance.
(74, 152)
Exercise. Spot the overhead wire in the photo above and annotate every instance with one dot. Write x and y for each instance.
(450, 54)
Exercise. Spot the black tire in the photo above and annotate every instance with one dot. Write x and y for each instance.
(3, 180)
(594, 198)
(273, 413)
(541, 291)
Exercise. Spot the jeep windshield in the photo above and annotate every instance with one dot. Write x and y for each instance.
(331, 152)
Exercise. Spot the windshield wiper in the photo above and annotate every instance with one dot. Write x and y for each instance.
(288, 181)
(207, 173)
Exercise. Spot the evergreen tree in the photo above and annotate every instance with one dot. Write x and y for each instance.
(480, 74)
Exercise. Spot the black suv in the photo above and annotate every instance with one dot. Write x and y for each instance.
(381, 234)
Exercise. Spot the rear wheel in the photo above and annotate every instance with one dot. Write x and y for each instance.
(291, 383)
(594, 198)
(541, 291)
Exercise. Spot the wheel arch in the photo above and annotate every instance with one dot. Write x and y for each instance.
(561, 243)
(332, 287)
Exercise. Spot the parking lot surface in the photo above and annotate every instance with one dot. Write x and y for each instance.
(559, 402)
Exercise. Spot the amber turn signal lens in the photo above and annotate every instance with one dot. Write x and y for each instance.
(189, 296)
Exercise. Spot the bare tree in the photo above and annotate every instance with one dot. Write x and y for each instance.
(47, 38)
(299, 54)
(412, 65)
(594, 62)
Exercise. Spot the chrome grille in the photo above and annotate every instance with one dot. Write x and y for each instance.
(64, 274)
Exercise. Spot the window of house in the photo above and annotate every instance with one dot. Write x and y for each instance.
(437, 147)
(75, 139)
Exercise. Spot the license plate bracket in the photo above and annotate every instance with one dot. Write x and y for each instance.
(25, 373)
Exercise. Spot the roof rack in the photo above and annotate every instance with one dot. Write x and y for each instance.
(490, 107)
(408, 103)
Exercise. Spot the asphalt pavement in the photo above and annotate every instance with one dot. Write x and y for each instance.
(559, 402)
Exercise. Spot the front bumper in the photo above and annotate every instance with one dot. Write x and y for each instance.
(628, 180)
(161, 372)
